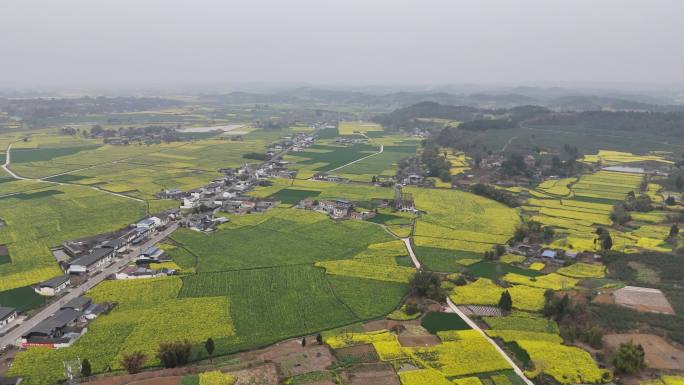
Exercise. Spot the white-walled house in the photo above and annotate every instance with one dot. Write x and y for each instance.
(7, 315)
(53, 286)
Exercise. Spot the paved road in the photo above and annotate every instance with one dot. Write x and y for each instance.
(407, 242)
(503, 354)
(473, 325)
(7, 163)
(13, 336)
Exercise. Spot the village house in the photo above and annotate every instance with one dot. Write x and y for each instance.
(149, 223)
(53, 286)
(150, 255)
(7, 315)
(59, 330)
(137, 272)
(413, 179)
(327, 178)
(92, 262)
(170, 194)
(361, 214)
(336, 208)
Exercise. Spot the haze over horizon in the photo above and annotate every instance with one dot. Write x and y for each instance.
(156, 42)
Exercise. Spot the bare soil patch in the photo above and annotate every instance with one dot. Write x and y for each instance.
(292, 358)
(169, 375)
(370, 374)
(643, 299)
(266, 374)
(386, 324)
(419, 341)
(159, 381)
(660, 354)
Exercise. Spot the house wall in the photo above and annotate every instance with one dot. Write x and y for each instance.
(8, 319)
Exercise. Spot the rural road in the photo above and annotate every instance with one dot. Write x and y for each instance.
(503, 354)
(13, 336)
(7, 163)
(382, 148)
(473, 325)
(407, 242)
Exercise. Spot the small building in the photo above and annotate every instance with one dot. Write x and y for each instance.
(149, 223)
(78, 304)
(413, 179)
(53, 286)
(361, 214)
(548, 253)
(7, 315)
(170, 194)
(150, 255)
(59, 330)
(92, 262)
(336, 208)
(135, 272)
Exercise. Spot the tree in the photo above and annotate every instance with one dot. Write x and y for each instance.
(606, 242)
(427, 284)
(629, 358)
(209, 346)
(674, 230)
(506, 302)
(133, 362)
(174, 354)
(86, 369)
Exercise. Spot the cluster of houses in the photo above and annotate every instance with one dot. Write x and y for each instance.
(337, 208)
(84, 257)
(538, 253)
(66, 326)
(348, 141)
(296, 143)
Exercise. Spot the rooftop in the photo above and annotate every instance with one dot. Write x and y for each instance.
(57, 321)
(78, 303)
(6, 311)
(91, 258)
(54, 282)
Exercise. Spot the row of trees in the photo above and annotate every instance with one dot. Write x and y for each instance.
(171, 355)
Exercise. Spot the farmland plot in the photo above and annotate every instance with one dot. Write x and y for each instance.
(40, 219)
(459, 222)
(309, 236)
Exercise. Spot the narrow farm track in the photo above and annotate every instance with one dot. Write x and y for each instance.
(473, 325)
(7, 163)
(382, 148)
(407, 242)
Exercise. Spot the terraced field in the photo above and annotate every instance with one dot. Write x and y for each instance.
(587, 204)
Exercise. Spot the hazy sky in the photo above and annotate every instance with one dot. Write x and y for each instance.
(128, 42)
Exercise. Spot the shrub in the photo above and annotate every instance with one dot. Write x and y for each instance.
(174, 354)
(133, 362)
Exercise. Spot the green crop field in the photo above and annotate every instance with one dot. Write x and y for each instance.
(327, 157)
(285, 237)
